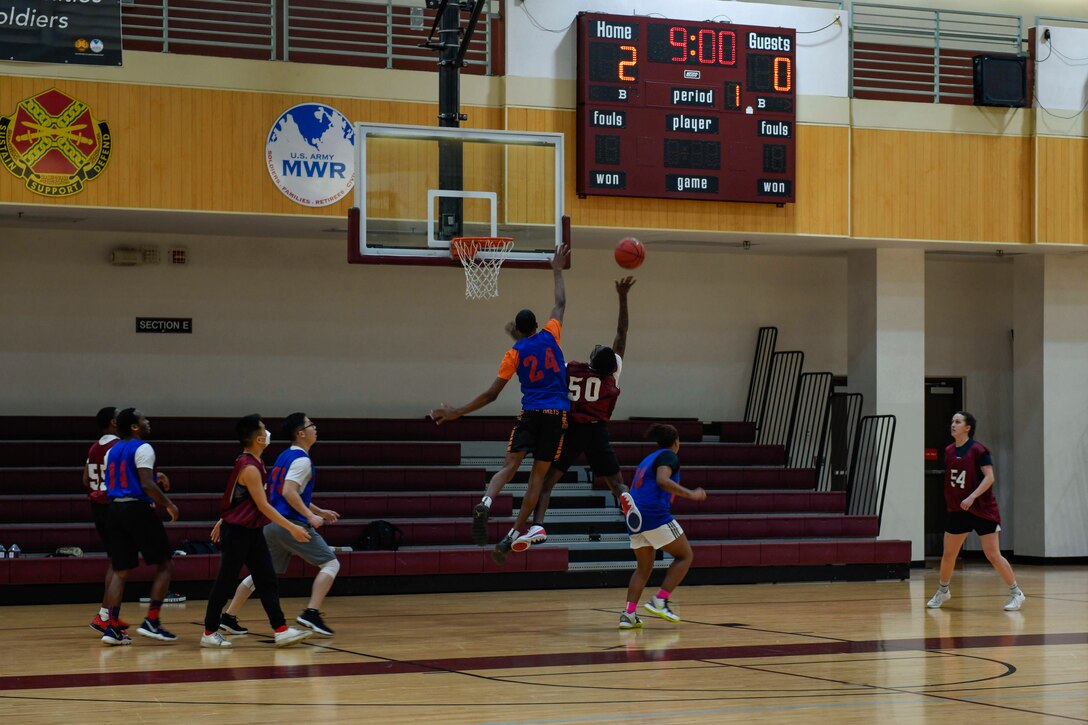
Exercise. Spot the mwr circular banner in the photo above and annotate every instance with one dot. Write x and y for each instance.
(310, 154)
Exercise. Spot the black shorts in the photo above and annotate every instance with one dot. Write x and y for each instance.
(593, 440)
(134, 529)
(964, 522)
(539, 432)
(100, 514)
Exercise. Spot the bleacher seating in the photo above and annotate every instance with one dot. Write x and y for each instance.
(758, 514)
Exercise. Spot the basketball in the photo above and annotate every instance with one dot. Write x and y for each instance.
(630, 253)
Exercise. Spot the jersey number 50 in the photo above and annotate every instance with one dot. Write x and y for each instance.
(589, 392)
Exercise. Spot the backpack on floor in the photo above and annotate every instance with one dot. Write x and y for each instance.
(381, 536)
(198, 547)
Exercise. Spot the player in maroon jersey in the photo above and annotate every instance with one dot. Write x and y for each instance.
(593, 395)
(969, 496)
(241, 535)
(94, 483)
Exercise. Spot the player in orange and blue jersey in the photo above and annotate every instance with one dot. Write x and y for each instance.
(655, 485)
(537, 360)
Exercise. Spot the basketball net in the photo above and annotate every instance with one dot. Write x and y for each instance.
(481, 273)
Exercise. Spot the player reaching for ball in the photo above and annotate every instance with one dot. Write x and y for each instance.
(537, 360)
(593, 396)
(656, 483)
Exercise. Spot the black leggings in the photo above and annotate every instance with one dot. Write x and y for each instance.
(244, 546)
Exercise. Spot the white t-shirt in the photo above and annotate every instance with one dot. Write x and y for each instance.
(301, 470)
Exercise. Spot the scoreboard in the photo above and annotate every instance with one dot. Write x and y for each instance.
(678, 109)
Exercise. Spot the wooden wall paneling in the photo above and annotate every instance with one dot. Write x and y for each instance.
(1063, 190)
(922, 185)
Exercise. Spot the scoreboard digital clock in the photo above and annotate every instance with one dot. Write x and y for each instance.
(685, 110)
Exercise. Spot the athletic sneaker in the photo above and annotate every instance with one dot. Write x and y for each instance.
(1015, 600)
(312, 618)
(535, 535)
(291, 636)
(630, 621)
(115, 637)
(170, 598)
(502, 549)
(479, 524)
(99, 625)
(631, 513)
(215, 641)
(229, 623)
(938, 599)
(155, 630)
(660, 607)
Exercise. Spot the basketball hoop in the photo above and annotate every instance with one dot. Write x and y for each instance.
(481, 273)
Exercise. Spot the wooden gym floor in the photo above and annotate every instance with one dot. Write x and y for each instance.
(851, 653)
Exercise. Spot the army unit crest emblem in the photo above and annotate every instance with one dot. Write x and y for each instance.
(54, 144)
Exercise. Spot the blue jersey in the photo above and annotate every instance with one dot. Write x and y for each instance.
(278, 477)
(654, 502)
(541, 369)
(122, 478)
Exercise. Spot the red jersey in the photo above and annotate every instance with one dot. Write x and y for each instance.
(96, 468)
(592, 395)
(963, 474)
(238, 506)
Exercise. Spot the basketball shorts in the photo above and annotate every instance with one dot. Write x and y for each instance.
(964, 522)
(134, 529)
(658, 538)
(281, 545)
(540, 432)
(100, 514)
(593, 440)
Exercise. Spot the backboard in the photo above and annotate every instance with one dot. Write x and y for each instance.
(418, 187)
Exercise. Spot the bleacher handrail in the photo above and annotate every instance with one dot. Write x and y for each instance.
(870, 466)
(933, 29)
(373, 30)
(1058, 20)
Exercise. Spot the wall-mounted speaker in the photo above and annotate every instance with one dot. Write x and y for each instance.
(1001, 80)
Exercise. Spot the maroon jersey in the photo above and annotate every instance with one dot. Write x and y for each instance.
(238, 506)
(963, 474)
(592, 395)
(96, 468)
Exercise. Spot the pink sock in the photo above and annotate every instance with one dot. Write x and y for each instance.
(631, 606)
(662, 594)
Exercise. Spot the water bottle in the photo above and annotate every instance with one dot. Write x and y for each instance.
(14, 551)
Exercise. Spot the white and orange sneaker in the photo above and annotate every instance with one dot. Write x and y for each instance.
(535, 535)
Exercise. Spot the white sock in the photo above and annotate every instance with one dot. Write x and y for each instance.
(486, 501)
(513, 534)
(104, 613)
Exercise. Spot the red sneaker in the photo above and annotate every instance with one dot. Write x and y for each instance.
(98, 624)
